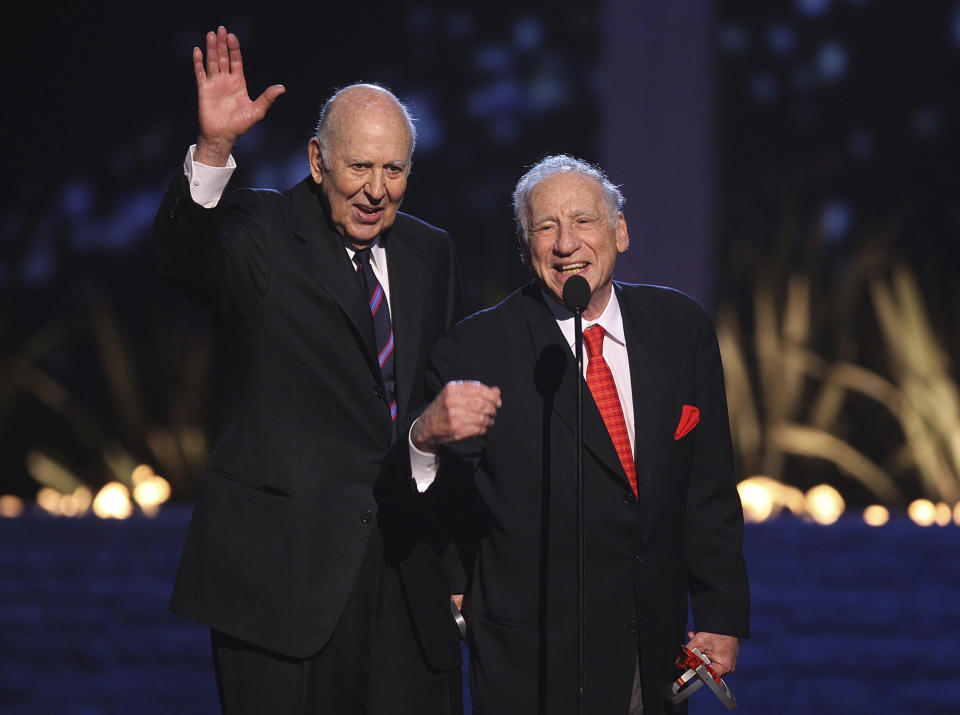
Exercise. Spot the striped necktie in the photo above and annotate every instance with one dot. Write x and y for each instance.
(382, 327)
(604, 391)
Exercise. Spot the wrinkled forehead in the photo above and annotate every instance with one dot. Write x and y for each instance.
(370, 126)
(566, 193)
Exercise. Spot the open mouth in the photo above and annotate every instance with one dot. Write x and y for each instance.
(368, 212)
(570, 269)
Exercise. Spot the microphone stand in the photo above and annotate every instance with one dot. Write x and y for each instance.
(578, 341)
(576, 296)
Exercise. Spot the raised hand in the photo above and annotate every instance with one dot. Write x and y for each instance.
(226, 110)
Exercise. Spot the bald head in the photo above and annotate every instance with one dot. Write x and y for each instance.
(371, 101)
(360, 159)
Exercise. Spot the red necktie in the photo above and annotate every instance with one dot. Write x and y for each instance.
(604, 391)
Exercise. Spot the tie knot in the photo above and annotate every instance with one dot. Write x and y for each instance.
(593, 340)
(362, 258)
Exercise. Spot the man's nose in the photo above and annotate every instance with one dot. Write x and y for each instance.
(567, 240)
(376, 187)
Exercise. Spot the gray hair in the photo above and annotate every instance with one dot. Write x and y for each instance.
(325, 125)
(612, 196)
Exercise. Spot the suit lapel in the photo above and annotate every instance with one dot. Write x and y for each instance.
(323, 252)
(556, 380)
(648, 382)
(405, 268)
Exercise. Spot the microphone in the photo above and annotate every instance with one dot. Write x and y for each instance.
(576, 294)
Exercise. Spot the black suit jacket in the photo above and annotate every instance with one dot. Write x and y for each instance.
(287, 502)
(644, 558)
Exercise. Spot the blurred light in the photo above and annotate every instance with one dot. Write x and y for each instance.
(504, 97)
(942, 514)
(11, 506)
(49, 500)
(956, 513)
(832, 61)
(861, 144)
(113, 502)
(835, 221)
(141, 473)
(150, 494)
(762, 87)
(757, 500)
(734, 39)
(922, 511)
(813, 8)
(956, 25)
(51, 473)
(132, 216)
(39, 265)
(69, 505)
(76, 199)
(926, 121)
(528, 34)
(824, 504)
(429, 122)
(493, 59)
(876, 515)
(546, 93)
(781, 39)
(84, 499)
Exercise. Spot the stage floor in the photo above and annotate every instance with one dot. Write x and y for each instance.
(846, 619)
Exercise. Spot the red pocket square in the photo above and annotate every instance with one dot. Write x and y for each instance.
(689, 418)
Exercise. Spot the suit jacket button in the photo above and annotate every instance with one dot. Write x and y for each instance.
(366, 516)
(378, 392)
(633, 626)
(628, 498)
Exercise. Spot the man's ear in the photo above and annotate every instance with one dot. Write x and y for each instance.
(316, 160)
(623, 238)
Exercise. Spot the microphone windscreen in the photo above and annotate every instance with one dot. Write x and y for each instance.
(576, 294)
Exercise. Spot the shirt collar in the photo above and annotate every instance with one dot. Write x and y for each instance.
(377, 253)
(610, 319)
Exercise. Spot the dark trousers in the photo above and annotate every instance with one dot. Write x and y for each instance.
(372, 663)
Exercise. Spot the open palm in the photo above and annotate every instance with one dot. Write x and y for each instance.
(226, 110)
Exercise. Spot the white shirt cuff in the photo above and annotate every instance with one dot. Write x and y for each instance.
(207, 183)
(423, 465)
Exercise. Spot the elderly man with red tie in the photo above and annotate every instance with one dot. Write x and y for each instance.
(663, 522)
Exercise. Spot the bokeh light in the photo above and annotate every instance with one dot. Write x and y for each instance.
(942, 514)
(756, 499)
(922, 511)
(113, 502)
(824, 504)
(876, 515)
(10, 506)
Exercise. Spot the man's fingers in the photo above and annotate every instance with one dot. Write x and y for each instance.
(223, 61)
(198, 70)
(268, 97)
(233, 54)
(212, 66)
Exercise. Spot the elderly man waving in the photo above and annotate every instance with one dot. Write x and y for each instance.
(325, 300)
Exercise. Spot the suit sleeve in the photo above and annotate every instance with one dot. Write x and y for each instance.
(218, 257)
(719, 592)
